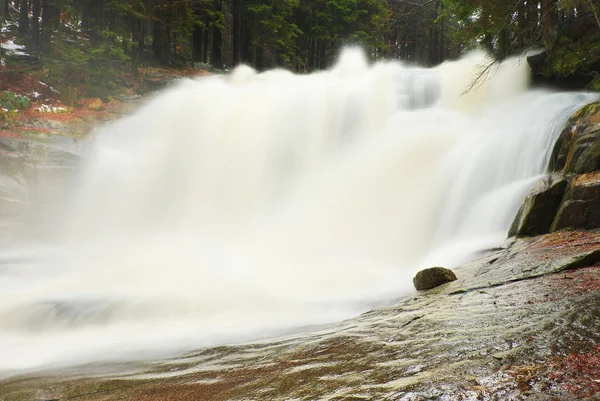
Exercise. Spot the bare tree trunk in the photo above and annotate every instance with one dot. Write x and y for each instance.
(237, 11)
(36, 6)
(549, 23)
(215, 55)
(197, 41)
(50, 16)
(205, 41)
(5, 9)
(24, 17)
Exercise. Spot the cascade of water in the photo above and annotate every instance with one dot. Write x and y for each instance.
(230, 207)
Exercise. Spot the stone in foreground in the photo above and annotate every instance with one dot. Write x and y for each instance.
(433, 277)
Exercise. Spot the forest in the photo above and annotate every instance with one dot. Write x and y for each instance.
(93, 42)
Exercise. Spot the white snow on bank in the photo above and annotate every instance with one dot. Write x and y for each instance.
(51, 88)
(13, 48)
(51, 109)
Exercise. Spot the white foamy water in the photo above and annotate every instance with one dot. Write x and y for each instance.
(237, 207)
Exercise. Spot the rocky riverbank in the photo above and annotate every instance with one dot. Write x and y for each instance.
(520, 322)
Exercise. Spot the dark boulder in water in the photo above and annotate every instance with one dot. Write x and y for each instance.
(433, 277)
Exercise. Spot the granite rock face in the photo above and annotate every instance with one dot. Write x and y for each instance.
(536, 215)
(580, 208)
(568, 198)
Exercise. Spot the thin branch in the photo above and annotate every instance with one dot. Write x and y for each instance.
(595, 12)
(483, 76)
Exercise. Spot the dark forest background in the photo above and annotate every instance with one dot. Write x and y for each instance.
(94, 42)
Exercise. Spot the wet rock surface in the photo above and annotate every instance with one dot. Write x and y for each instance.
(433, 277)
(568, 198)
(522, 322)
(39, 159)
(574, 151)
(581, 206)
(536, 215)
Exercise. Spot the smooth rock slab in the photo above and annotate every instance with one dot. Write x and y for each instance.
(522, 322)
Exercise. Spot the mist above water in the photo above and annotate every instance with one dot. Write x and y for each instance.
(235, 207)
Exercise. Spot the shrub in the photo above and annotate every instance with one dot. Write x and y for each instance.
(11, 101)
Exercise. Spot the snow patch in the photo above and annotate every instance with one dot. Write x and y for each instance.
(44, 108)
(14, 49)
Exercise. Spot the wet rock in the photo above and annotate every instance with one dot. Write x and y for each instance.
(584, 156)
(570, 197)
(537, 213)
(581, 206)
(522, 329)
(433, 277)
(577, 149)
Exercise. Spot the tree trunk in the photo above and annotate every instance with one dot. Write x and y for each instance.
(86, 14)
(158, 35)
(138, 27)
(24, 17)
(168, 38)
(36, 8)
(238, 29)
(502, 45)
(205, 40)
(197, 41)
(549, 23)
(215, 55)
(246, 41)
(5, 9)
(488, 40)
(50, 15)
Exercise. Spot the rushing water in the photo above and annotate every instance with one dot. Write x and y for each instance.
(237, 207)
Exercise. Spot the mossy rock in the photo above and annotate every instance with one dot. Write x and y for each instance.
(586, 110)
(577, 149)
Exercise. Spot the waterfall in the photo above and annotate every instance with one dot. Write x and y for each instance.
(230, 208)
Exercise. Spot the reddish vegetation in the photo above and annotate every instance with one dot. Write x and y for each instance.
(569, 284)
(24, 84)
(566, 240)
(9, 134)
(578, 373)
(577, 282)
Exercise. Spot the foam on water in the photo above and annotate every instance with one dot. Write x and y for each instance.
(235, 207)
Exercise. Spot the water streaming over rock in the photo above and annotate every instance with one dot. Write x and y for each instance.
(235, 207)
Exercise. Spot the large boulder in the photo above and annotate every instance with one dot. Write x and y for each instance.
(577, 150)
(581, 206)
(433, 277)
(537, 212)
(569, 198)
(584, 156)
